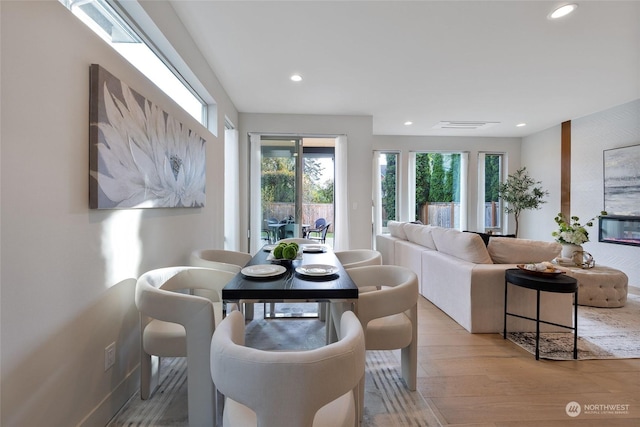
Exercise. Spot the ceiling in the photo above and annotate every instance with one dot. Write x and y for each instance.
(422, 61)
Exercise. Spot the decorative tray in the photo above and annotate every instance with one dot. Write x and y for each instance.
(546, 272)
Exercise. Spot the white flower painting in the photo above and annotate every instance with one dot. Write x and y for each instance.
(140, 157)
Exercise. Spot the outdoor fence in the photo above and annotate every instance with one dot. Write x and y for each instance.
(310, 212)
(447, 214)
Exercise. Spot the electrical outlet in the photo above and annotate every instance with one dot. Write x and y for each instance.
(109, 355)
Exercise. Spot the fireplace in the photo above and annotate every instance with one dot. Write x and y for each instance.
(622, 230)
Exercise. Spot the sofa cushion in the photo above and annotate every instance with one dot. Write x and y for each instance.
(420, 234)
(487, 236)
(505, 250)
(396, 229)
(466, 246)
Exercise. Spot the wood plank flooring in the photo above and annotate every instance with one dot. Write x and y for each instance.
(482, 380)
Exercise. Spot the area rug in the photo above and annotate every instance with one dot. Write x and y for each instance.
(603, 333)
(387, 400)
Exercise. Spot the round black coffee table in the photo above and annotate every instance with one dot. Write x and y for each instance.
(560, 283)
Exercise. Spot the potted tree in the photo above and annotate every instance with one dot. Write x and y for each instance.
(521, 192)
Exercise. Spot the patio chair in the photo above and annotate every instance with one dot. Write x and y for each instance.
(319, 232)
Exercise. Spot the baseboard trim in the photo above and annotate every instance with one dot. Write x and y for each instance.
(102, 414)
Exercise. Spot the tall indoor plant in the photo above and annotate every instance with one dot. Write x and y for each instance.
(521, 192)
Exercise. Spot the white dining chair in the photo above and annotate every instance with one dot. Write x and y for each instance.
(388, 312)
(359, 257)
(223, 259)
(298, 240)
(175, 323)
(305, 388)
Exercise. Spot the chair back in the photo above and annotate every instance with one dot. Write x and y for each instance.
(397, 291)
(359, 257)
(319, 223)
(297, 240)
(219, 259)
(287, 388)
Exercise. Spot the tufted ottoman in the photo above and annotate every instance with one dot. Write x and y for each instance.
(600, 286)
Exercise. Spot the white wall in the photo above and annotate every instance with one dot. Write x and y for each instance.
(541, 156)
(358, 131)
(66, 277)
(590, 135)
(473, 145)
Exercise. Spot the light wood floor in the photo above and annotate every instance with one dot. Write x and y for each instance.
(484, 380)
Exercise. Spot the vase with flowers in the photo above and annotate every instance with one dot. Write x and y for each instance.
(571, 234)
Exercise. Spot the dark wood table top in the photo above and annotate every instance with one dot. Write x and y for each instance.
(291, 285)
(560, 283)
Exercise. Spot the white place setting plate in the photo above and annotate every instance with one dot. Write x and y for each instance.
(263, 270)
(313, 248)
(268, 248)
(317, 270)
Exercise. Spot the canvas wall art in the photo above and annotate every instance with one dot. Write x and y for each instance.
(622, 181)
(139, 156)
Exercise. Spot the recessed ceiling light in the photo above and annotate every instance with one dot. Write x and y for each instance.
(296, 78)
(521, 125)
(563, 11)
(408, 123)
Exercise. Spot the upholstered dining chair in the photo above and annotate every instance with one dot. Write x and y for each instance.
(298, 240)
(222, 259)
(359, 257)
(388, 314)
(175, 323)
(288, 388)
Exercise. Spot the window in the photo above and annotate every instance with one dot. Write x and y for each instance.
(440, 189)
(386, 189)
(489, 179)
(112, 28)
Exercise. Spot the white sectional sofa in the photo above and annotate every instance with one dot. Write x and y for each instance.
(464, 276)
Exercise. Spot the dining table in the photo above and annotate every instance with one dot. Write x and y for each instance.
(316, 275)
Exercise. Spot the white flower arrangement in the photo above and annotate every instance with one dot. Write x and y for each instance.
(571, 231)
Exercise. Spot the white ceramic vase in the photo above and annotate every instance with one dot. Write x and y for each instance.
(568, 249)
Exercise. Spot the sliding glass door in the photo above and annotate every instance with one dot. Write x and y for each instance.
(281, 188)
(292, 184)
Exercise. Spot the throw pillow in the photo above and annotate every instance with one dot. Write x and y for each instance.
(506, 250)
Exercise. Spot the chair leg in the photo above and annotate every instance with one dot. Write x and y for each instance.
(409, 365)
(149, 374)
(360, 403)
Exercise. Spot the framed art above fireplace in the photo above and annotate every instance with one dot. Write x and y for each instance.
(622, 181)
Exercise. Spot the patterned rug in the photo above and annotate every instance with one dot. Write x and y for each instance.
(387, 401)
(603, 333)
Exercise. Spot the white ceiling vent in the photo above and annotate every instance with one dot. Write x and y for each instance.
(464, 125)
